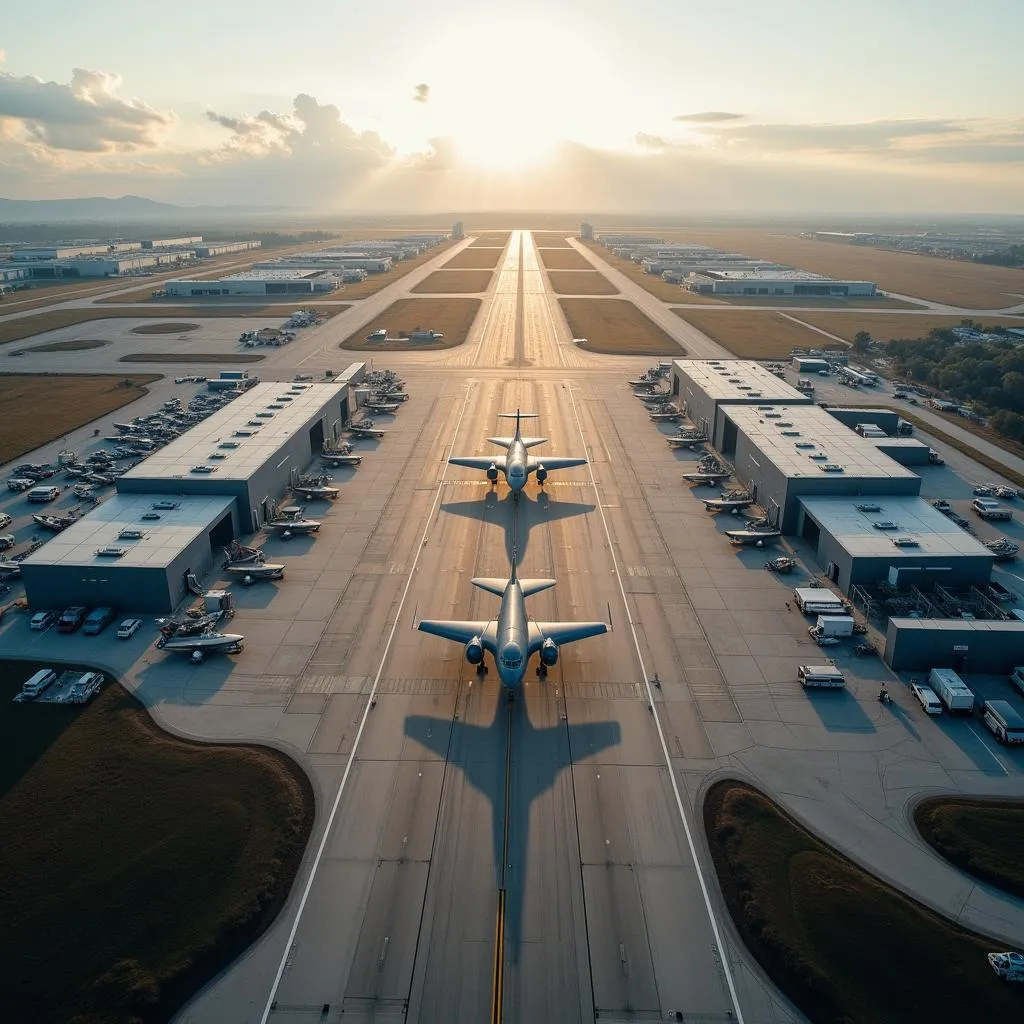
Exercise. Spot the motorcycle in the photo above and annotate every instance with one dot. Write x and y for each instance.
(865, 649)
(884, 697)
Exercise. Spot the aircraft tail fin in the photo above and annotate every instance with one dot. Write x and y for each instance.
(519, 415)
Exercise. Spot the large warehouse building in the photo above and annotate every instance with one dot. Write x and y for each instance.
(140, 546)
(899, 540)
(283, 281)
(174, 511)
(708, 387)
(782, 453)
(777, 282)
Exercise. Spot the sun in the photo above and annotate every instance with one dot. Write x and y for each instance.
(504, 140)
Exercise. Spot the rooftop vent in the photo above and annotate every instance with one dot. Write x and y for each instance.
(734, 380)
(773, 415)
(805, 444)
(905, 542)
(131, 535)
(285, 398)
(783, 423)
(228, 444)
(216, 455)
(150, 515)
(111, 552)
(203, 469)
(244, 433)
(764, 408)
(885, 524)
(868, 508)
(818, 456)
(166, 505)
(754, 394)
(273, 405)
(831, 467)
(265, 415)
(790, 433)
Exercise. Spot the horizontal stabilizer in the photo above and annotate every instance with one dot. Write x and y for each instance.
(492, 584)
(535, 586)
(505, 442)
(519, 415)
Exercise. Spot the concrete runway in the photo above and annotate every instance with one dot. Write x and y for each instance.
(611, 909)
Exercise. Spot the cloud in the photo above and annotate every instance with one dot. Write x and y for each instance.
(85, 115)
(422, 93)
(648, 141)
(708, 117)
(863, 136)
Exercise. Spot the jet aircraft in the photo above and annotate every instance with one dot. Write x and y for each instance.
(516, 464)
(512, 638)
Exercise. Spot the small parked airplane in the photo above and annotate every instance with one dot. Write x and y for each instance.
(512, 637)
(516, 464)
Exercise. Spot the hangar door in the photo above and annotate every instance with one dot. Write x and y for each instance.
(222, 534)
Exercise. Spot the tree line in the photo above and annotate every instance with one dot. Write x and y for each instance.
(988, 375)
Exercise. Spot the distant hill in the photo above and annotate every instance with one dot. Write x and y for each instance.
(127, 208)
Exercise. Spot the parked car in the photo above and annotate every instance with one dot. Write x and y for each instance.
(97, 620)
(42, 620)
(71, 619)
(7, 540)
(5, 520)
(128, 629)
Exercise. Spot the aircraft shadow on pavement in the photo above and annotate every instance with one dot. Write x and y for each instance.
(539, 756)
(532, 512)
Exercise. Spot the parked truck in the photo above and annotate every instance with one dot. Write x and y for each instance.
(835, 627)
(425, 335)
(824, 676)
(230, 379)
(951, 689)
(818, 601)
(989, 509)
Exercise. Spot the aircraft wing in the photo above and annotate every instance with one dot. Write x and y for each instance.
(563, 632)
(554, 463)
(460, 631)
(483, 462)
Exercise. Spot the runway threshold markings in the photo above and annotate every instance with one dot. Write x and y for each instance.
(336, 803)
(705, 893)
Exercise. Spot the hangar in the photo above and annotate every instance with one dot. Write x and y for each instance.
(707, 386)
(900, 540)
(137, 546)
(252, 449)
(782, 453)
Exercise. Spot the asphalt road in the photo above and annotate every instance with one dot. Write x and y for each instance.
(610, 911)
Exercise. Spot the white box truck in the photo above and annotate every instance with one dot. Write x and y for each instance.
(837, 626)
(825, 676)
(818, 601)
(951, 689)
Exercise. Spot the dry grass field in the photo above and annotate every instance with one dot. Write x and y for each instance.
(169, 328)
(29, 326)
(581, 282)
(190, 357)
(69, 400)
(144, 863)
(486, 239)
(885, 326)
(455, 281)
(451, 317)
(551, 239)
(752, 333)
(971, 285)
(78, 345)
(840, 943)
(617, 327)
(563, 259)
(474, 259)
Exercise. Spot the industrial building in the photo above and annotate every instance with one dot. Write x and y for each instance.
(777, 282)
(73, 250)
(784, 452)
(92, 266)
(283, 281)
(252, 449)
(204, 252)
(586, 232)
(136, 547)
(13, 272)
(707, 387)
(899, 540)
(167, 243)
(330, 261)
(978, 645)
(174, 512)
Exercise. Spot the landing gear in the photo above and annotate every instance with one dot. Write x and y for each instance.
(481, 670)
(542, 671)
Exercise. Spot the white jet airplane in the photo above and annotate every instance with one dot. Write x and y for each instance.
(516, 464)
(512, 637)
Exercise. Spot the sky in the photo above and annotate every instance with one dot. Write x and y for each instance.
(645, 106)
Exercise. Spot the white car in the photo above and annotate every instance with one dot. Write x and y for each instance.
(7, 540)
(128, 629)
(1009, 966)
(5, 520)
(42, 620)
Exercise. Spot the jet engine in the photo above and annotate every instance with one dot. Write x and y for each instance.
(549, 652)
(492, 473)
(542, 475)
(475, 651)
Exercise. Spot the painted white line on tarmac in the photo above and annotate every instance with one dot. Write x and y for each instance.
(723, 959)
(328, 827)
(988, 748)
